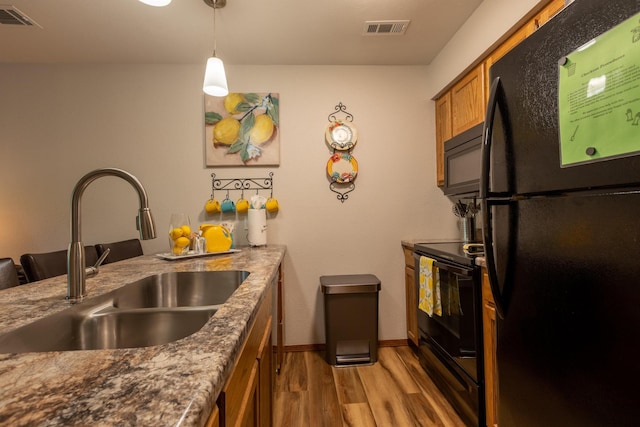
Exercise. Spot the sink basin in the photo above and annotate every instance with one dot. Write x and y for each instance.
(68, 331)
(155, 310)
(180, 289)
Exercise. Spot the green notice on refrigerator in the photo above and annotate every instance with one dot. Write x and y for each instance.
(599, 97)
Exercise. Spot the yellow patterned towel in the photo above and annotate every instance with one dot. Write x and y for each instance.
(429, 298)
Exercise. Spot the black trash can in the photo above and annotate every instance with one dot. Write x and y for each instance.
(351, 318)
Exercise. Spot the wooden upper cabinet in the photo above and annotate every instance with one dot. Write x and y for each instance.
(544, 15)
(468, 101)
(501, 51)
(522, 33)
(443, 132)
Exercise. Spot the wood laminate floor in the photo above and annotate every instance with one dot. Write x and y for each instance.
(395, 391)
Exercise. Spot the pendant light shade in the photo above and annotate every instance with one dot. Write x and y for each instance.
(158, 3)
(215, 79)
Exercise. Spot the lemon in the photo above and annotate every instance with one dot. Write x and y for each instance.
(186, 230)
(226, 131)
(231, 101)
(262, 129)
(175, 233)
(177, 250)
(182, 242)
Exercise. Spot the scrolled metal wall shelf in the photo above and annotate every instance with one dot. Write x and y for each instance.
(241, 184)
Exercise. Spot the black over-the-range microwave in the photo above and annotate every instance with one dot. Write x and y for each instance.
(463, 163)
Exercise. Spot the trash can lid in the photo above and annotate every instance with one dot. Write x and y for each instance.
(350, 284)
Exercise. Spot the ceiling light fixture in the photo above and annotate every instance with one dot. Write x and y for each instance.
(158, 3)
(215, 79)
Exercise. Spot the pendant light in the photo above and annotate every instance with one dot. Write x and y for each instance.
(158, 3)
(215, 79)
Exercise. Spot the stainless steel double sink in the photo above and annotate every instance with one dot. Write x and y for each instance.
(155, 310)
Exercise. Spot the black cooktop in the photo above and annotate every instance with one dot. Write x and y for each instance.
(451, 251)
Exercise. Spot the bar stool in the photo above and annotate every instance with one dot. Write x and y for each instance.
(50, 264)
(8, 273)
(122, 250)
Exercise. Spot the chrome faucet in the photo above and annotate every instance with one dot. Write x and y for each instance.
(76, 272)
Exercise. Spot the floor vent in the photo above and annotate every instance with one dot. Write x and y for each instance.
(10, 15)
(391, 28)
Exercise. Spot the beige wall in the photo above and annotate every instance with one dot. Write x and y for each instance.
(59, 122)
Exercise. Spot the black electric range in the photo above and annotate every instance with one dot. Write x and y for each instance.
(450, 341)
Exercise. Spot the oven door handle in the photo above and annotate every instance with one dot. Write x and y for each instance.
(453, 269)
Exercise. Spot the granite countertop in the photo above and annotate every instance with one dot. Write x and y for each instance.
(175, 384)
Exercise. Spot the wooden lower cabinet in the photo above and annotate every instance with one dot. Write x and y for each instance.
(265, 381)
(489, 330)
(279, 318)
(214, 418)
(247, 398)
(410, 296)
(248, 415)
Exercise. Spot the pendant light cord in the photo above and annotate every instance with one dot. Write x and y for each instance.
(215, 2)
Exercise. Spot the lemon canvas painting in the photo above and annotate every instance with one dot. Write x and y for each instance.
(242, 129)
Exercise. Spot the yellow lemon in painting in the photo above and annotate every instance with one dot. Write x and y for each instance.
(226, 131)
(186, 230)
(231, 101)
(182, 242)
(262, 129)
(175, 233)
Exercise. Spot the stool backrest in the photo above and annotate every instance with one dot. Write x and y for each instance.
(50, 264)
(122, 250)
(8, 273)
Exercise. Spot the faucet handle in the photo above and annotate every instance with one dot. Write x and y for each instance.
(93, 270)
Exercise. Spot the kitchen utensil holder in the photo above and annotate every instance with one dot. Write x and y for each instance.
(468, 225)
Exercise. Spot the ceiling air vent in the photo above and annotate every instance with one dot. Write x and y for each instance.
(10, 15)
(391, 28)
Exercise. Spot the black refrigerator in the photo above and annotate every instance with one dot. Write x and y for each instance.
(560, 197)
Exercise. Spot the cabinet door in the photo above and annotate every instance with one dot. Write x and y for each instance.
(249, 410)
(410, 296)
(279, 316)
(412, 305)
(499, 52)
(468, 101)
(443, 132)
(214, 417)
(490, 366)
(266, 379)
(544, 15)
